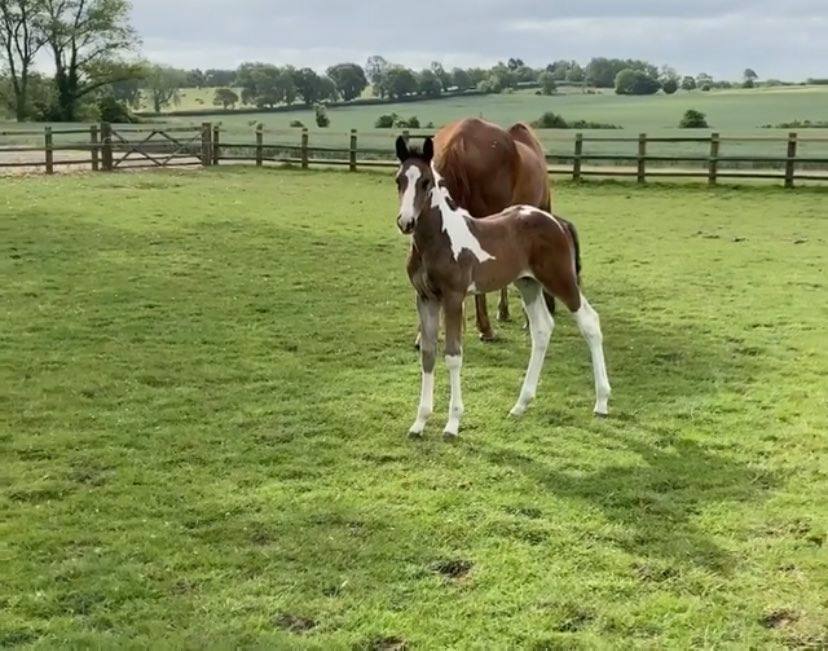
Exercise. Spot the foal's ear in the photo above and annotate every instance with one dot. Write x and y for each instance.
(428, 149)
(402, 149)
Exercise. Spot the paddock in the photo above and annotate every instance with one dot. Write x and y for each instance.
(207, 378)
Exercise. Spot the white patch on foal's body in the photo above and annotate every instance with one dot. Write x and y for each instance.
(456, 225)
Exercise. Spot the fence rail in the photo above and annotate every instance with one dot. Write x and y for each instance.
(111, 148)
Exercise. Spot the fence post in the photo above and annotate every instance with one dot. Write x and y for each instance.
(93, 147)
(106, 150)
(576, 162)
(259, 144)
(50, 160)
(713, 161)
(642, 152)
(789, 164)
(216, 143)
(352, 160)
(206, 143)
(305, 140)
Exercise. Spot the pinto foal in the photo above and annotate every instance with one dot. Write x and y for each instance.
(454, 254)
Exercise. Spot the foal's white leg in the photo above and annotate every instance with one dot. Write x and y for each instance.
(541, 326)
(429, 323)
(453, 316)
(590, 326)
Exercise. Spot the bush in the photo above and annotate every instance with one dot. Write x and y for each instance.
(798, 124)
(705, 87)
(550, 120)
(297, 124)
(635, 82)
(669, 86)
(748, 83)
(386, 121)
(111, 110)
(322, 119)
(693, 120)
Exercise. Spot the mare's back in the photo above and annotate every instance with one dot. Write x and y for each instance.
(479, 162)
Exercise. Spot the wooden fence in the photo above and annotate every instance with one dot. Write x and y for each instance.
(106, 148)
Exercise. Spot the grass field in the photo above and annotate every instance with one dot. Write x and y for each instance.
(733, 113)
(207, 378)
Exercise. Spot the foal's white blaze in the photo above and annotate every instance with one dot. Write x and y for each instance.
(407, 214)
(455, 224)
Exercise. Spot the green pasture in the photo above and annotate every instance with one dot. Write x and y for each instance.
(733, 113)
(207, 378)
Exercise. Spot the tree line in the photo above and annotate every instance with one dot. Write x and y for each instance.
(92, 45)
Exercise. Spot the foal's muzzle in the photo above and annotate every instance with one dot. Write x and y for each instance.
(406, 226)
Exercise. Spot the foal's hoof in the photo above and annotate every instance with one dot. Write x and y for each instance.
(450, 437)
(488, 337)
(503, 317)
(415, 436)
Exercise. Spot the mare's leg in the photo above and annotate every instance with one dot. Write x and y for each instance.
(483, 324)
(541, 325)
(453, 317)
(590, 326)
(429, 322)
(503, 305)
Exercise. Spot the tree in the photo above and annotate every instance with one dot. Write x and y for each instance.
(575, 73)
(266, 85)
(195, 79)
(128, 91)
(308, 85)
(445, 78)
(688, 83)
(87, 38)
(226, 97)
(21, 38)
(163, 84)
(750, 75)
(215, 77)
(547, 83)
(376, 68)
(526, 74)
(397, 82)
(513, 64)
(461, 79)
(635, 82)
(349, 79)
(428, 84)
(703, 78)
(669, 86)
(601, 72)
(500, 78)
(693, 120)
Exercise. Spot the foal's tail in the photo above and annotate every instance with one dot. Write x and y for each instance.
(576, 244)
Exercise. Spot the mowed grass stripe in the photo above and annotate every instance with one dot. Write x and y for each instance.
(207, 379)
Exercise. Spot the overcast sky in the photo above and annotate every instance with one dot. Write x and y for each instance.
(778, 38)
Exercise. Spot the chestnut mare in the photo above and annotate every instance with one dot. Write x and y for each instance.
(487, 169)
(454, 254)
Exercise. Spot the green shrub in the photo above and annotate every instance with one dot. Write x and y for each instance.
(693, 120)
(322, 119)
(635, 82)
(669, 86)
(297, 124)
(111, 110)
(550, 120)
(386, 121)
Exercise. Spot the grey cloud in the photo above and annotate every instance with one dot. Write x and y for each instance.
(781, 39)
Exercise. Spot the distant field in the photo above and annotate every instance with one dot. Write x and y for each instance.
(731, 112)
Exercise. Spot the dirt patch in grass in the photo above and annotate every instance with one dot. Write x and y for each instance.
(294, 623)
